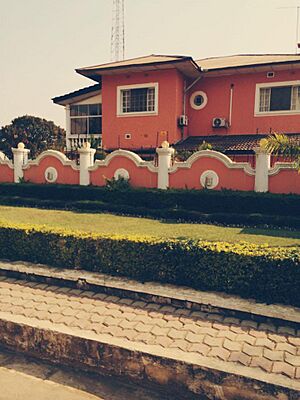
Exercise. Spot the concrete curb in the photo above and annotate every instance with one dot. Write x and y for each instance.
(212, 302)
(184, 374)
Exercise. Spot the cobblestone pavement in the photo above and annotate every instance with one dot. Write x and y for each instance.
(240, 342)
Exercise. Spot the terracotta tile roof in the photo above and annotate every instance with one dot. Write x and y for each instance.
(228, 144)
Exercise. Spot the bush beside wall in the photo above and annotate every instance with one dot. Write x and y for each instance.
(265, 273)
(204, 201)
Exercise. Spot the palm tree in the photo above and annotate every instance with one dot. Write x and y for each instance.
(280, 144)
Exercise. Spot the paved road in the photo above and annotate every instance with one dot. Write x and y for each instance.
(22, 378)
(262, 347)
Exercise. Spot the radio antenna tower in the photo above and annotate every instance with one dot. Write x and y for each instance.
(117, 45)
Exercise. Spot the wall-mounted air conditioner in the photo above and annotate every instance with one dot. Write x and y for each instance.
(183, 120)
(219, 122)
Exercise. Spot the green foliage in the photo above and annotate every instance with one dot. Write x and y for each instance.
(183, 155)
(268, 274)
(280, 144)
(117, 184)
(95, 142)
(203, 201)
(204, 146)
(36, 133)
(100, 154)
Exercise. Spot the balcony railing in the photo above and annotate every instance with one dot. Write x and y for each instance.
(75, 142)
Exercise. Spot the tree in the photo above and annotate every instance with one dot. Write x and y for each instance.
(36, 133)
(280, 144)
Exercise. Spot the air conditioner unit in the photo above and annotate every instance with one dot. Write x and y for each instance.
(218, 122)
(183, 120)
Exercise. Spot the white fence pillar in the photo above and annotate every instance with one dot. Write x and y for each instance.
(20, 159)
(262, 166)
(164, 162)
(86, 161)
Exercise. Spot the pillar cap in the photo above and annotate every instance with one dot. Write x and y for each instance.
(260, 150)
(166, 151)
(20, 148)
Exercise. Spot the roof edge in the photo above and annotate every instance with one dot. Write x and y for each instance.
(89, 89)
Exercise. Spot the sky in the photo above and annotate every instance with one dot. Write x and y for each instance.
(43, 41)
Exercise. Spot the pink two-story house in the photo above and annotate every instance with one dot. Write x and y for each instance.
(230, 102)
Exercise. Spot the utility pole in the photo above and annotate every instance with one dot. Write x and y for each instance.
(117, 45)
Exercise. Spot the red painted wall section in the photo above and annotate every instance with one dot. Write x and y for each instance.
(139, 176)
(66, 174)
(235, 179)
(6, 173)
(243, 119)
(143, 129)
(286, 181)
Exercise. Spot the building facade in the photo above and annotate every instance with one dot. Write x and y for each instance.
(231, 102)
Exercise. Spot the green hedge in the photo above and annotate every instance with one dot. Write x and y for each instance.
(228, 219)
(265, 273)
(204, 201)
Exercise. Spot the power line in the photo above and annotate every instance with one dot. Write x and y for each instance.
(117, 45)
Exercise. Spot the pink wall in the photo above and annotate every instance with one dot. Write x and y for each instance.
(185, 176)
(235, 179)
(66, 174)
(143, 129)
(286, 181)
(6, 173)
(243, 119)
(139, 177)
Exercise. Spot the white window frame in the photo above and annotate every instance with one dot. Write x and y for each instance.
(192, 100)
(71, 117)
(259, 86)
(120, 113)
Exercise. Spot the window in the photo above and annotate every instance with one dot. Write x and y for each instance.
(86, 119)
(278, 99)
(198, 100)
(137, 99)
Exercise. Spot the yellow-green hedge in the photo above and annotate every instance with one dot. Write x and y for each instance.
(270, 274)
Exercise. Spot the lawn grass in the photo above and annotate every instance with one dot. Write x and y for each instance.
(112, 224)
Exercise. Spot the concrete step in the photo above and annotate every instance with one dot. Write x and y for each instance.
(24, 378)
(196, 353)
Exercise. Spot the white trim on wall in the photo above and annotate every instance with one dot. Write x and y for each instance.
(52, 153)
(138, 161)
(216, 155)
(279, 166)
(259, 86)
(154, 85)
(5, 161)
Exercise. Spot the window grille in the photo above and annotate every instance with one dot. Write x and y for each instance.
(295, 104)
(138, 100)
(279, 98)
(265, 99)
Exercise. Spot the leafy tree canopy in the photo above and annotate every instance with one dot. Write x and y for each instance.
(36, 133)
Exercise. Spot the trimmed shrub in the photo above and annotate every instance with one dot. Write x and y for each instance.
(204, 201)
(269, 274)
